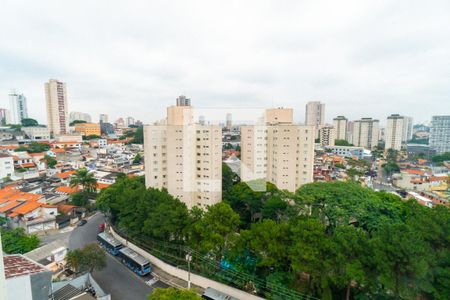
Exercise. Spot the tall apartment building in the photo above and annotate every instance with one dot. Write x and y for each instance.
(184, 157)
(408, 129)
(278, 151)
(18, 107)
(103, 118)
(229, 122)
(365, 133)
(315, 115)
(440, 134)
(396, 131)
(129, 121)
(5, 116)
(340, 126)
(57, 110)
(327, 136)
(76, 115)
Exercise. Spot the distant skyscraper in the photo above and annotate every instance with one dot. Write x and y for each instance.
(340, 127)
(103, 118)
(408, 129)
(327, 135)
(5, 116)
(396, 131)
(57, 109)
(119, 123)
(130, 121)
(183, 101)
(315, 115)
(278, 151)
(75, 115)
(229, 123)
(365, 133)
(18, 107)
(440, 134)
(184, 157)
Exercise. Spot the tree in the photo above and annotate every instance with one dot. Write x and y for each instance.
(342, 143)
(173, 294)
(137, 159)
(85, 179)
(77, 122)
(79, 199)
(439, 159)
(391, 168)
(34, 147)
(229, 178)
(91, 137)
(50, 161)
(17, 241)
(138, 136)
(28, 122)
(217, 229)
(87, 259)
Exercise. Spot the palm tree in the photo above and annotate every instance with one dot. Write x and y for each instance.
(85, 179)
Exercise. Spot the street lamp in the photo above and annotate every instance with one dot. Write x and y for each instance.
(188, 259)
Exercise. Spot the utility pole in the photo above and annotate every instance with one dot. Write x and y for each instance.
(189, 258)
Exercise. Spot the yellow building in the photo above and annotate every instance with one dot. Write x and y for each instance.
(88, 128)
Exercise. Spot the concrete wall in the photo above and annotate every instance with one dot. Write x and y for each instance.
(182, 274)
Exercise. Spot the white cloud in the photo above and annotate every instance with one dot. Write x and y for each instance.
(134, 57)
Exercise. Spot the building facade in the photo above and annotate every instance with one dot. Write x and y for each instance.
(184, 157)
(278, 151)
(6, 165)
(80, 116)
(37, 133)
(340, 126)
(5, 116)
(365, 133)
(396, 132)
(103, 118)
(57, 110)
(327, 136)
(440, 134)
(88, 129)
(18, 107)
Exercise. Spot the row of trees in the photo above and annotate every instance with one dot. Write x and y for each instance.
(331, 240)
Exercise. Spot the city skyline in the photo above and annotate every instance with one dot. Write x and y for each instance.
(129, 67)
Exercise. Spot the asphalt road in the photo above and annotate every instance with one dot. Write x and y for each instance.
(115, 279)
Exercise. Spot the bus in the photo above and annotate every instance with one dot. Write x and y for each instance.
(137, 263)
(213, 294)
(109, 243)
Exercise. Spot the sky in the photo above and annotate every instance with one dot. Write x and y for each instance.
(133, 58)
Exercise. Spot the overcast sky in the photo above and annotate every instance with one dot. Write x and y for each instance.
(133, 58)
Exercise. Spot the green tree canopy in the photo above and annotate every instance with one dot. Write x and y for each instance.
(87, 259)
(50, 161)
(77, 122)
(28, 122)
(342, 143)
(85, 179)
(17, 241)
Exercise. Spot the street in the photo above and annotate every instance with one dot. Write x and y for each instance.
(115, 278)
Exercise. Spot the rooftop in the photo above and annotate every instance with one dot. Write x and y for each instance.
(19, 265)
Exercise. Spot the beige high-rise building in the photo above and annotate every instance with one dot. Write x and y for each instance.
(57, 110)
(315, 115)
(278, 151)
(340, 126)
(365, 133)
(396, 131)
(184, 157)
(327, 135)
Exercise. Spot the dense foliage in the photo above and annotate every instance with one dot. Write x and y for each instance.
(85, 179)
(439, 159)
(138, 136)
(77, 122)
(28, 122)
(50, 161)
(87, 259)
(17, 241)
(34, 147)
(342, 143)
(330, 240)
(173, 294)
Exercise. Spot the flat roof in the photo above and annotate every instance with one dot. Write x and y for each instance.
(19, 265)
(215, 294)
(134, 256)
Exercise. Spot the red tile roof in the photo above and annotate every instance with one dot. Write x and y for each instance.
(18, 265)
(65, 175)
(66, 189)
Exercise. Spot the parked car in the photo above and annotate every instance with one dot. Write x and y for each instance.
(81, 223)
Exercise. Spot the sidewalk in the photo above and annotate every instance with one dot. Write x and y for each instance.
(174, 281)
